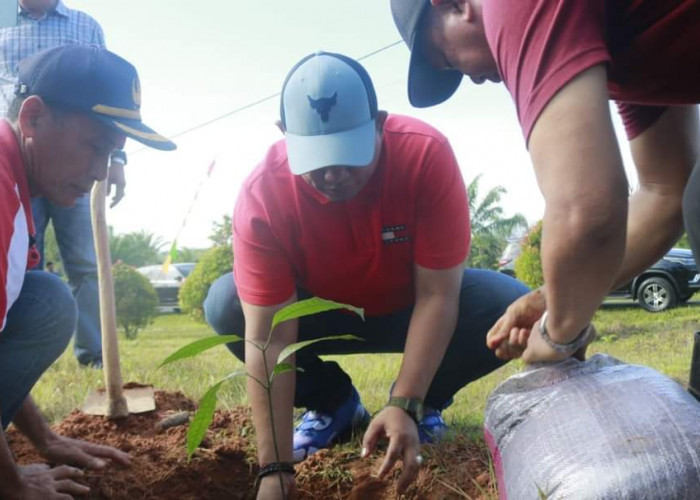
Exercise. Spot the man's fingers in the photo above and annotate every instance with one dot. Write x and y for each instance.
(66, 472)
(71, 487)
(411, 466)
(392, 455)
(369, 441)
(97, 450)
(497, 333)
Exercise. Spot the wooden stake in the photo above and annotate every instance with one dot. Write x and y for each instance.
(116, 407)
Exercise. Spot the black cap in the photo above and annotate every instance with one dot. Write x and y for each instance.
(93, 80)
(427, 86)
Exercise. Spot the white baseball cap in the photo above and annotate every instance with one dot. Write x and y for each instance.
(329, 111)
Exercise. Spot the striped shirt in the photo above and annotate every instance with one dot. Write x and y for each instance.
(17, 250)
(61, 26)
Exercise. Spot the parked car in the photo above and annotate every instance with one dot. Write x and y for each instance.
(506, 264)
(167, 285)
(671, 281)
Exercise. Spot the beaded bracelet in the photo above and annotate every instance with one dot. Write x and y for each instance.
(275, 467)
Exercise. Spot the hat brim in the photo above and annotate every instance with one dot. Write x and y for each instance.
(139, 132)
(428, 86)
(349, 148)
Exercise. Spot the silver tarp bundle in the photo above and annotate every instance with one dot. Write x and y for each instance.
(598, 429)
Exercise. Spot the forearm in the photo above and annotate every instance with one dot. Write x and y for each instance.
(281, 401)
(654, 224)
(32, 423)
(429, 333)
(281, 404)
(582, 250)
(9, 472)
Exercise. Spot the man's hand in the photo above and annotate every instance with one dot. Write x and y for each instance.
(270, 487)
(39, 482)
(509, 335)
(117, 177)
(397, 426)
(65, 450)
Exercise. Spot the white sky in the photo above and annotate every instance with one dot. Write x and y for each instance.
(200, 60)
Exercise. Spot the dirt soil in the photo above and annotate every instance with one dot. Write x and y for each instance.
(225, 467)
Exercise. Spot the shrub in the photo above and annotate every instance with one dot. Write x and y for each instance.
(135, 300)
(528, 267)
(217, 261)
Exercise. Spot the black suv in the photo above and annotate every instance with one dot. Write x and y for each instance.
(669, 282)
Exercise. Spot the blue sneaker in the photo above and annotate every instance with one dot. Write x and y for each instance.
(432, 428)
(320, 430)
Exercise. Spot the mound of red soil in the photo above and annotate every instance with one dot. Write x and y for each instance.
(225, 466)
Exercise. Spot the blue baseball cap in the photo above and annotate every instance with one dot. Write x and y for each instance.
(427, 86)
(329, 111)
(92, 80)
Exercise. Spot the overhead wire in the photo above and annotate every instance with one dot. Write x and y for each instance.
(252, 104)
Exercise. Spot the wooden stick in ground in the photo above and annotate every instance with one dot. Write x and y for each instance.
(116, 403)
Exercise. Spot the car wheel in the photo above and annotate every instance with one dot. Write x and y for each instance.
(657, 294)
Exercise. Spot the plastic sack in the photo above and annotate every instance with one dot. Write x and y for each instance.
(598, 429)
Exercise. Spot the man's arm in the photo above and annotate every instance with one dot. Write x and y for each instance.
(432, 324)
(580, 173)
(431, 328)
(664, 156)
(258, 320)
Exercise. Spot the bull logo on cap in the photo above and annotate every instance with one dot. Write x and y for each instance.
(323, 105)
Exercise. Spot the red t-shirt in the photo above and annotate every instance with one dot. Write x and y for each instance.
(651, 47)
(17, 251)
(361, 251)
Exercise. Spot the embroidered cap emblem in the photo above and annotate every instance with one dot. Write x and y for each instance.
(136, 92)
(323, 105)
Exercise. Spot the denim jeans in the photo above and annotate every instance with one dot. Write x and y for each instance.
(323, 385)
(73, 229)
(39, 326)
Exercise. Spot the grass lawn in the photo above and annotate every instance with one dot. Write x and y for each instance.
(662, 341)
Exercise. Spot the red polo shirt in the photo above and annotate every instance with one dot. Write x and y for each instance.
(17, 252)
(361, 251)
(651, 48)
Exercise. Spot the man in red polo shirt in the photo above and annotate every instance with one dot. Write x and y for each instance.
(562, 60)
(368, 209)
(73, 106)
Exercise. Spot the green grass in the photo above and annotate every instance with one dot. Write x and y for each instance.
(662, 341)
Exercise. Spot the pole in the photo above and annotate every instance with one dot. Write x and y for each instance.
(116, 403)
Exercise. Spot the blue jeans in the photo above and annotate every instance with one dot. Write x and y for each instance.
(39, 326)
(324, 386)
(73, 230)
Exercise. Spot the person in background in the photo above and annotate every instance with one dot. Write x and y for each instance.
(74, 105)
(561, 61)
(369, 209)
(44, 24)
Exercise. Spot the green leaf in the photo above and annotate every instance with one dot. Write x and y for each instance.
(311, 306)
(282, 368)
(204, 415)
(199, 346)
(201, 420)
(292, 348)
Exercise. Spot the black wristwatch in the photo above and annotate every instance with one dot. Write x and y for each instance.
(412, 406)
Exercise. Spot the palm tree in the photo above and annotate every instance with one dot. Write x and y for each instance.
(136, 249)
(490, 228)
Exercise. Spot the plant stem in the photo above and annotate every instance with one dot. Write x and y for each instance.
(268, 390)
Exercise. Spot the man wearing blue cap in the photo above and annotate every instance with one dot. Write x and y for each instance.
(562, 60)
(44, 24)
(74, 105)
(368, 209)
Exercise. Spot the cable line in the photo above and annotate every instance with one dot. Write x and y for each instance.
(252, 104)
